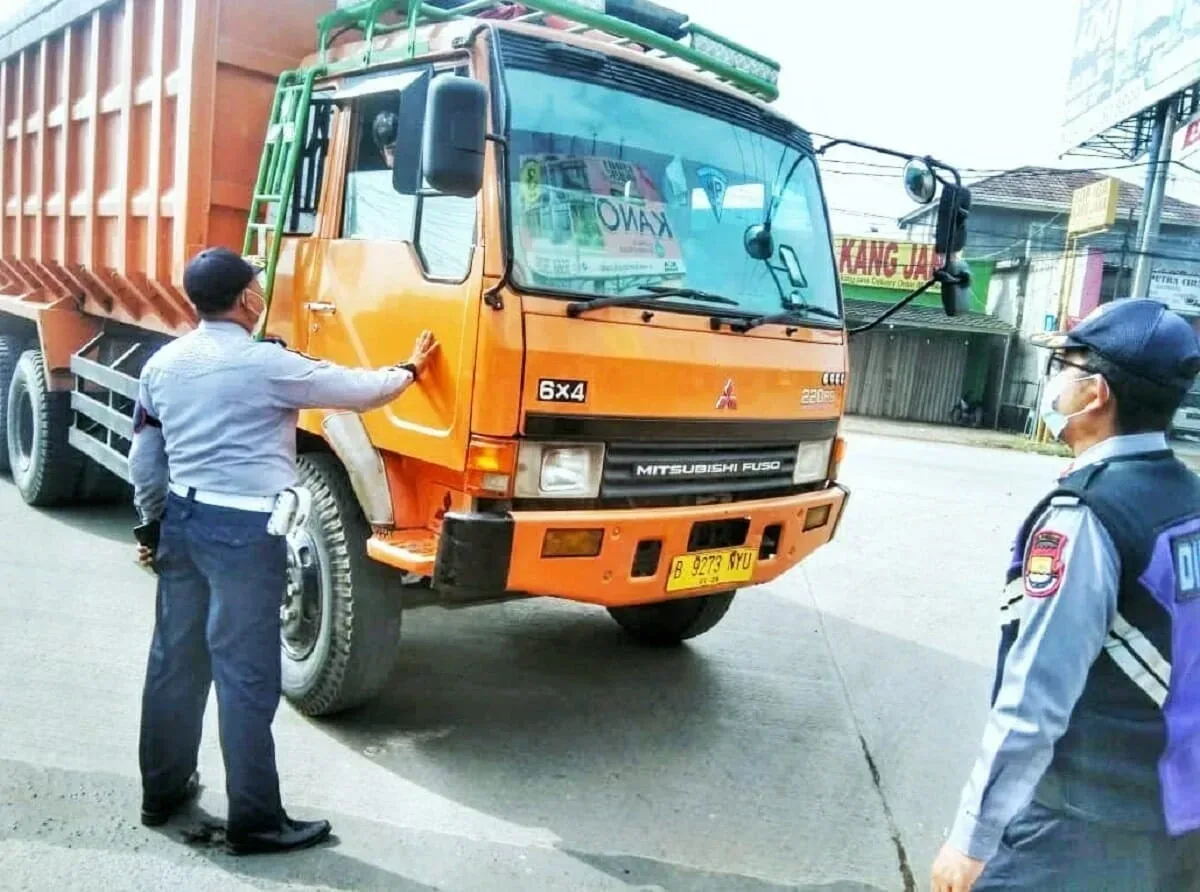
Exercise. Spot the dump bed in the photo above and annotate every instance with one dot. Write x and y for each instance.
(132, 131)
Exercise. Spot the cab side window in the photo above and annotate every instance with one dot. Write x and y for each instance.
(386, 197)
(446, 229)
(310, 173)
(375, 210)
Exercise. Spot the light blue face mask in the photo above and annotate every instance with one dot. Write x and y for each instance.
(1056, 422)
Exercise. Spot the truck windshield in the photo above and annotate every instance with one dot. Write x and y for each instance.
(612, 192)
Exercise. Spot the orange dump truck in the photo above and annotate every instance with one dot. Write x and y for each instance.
(623, 249)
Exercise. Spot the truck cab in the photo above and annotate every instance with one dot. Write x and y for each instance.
(607, 421)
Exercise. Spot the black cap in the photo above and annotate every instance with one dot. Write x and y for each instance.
(215, 277)
(1142, 337)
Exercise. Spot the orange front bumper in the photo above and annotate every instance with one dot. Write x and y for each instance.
(478, 555)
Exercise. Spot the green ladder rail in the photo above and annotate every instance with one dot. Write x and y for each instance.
(706, 51)
(287, 132)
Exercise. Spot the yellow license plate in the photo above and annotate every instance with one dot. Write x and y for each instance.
(708, 569)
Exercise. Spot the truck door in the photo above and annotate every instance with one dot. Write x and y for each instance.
(397, 259)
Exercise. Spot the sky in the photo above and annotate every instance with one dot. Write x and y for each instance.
(976, 83)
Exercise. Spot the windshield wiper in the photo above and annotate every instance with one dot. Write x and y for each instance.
(651, 292)
(790, 312)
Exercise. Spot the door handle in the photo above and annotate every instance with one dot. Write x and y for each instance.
(321, 307)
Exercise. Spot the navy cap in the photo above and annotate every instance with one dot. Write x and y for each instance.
(1138, 336)
(216, 276)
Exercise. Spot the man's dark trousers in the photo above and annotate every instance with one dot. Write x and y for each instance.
(1048, 851)
(221, 581)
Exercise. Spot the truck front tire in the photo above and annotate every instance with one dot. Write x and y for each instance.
(341, 612)
(45, 467)
(669, 623)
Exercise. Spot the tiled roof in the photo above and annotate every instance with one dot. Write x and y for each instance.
(860, 311)
(1048, 188)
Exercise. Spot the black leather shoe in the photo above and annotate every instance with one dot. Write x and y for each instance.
(156, 812)
(290, 836)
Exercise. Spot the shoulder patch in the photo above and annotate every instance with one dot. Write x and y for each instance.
(1044, 564)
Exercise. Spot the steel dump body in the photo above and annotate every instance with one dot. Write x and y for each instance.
(132, 132)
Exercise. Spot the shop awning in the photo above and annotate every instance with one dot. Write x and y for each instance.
(859, 312)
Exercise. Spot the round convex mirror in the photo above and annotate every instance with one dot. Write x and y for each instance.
(919, 181)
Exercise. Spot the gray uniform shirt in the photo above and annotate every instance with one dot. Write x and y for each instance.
(1059, 638)
(228, 407)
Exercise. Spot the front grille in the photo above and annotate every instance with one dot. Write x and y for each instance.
(640, 470)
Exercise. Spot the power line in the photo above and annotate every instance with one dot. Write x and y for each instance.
(1022, 172)
(1008, 240)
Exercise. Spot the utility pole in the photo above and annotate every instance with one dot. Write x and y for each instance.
(1152, 201)
(1156, 138)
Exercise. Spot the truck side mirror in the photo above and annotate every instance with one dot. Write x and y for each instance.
(949, 240)
(953, 211)
(455, 137)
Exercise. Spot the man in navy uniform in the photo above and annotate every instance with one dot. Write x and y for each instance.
(1089, 777)
(214, 445)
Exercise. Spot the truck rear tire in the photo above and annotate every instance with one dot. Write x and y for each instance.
(45, 467)
(10, 352)
(341, 611)
(672, 622)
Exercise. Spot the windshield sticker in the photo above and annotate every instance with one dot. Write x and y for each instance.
(594, 218)
(531, 182)
(677, 188)
(715, 184)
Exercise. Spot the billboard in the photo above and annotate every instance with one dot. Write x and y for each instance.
(1128, 55)
(884, 263)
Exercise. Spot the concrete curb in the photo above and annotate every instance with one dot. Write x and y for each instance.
(1188, 453)
(951, 435)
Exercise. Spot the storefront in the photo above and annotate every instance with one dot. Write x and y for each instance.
(920, 362)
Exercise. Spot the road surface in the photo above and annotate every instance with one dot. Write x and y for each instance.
(816, 740)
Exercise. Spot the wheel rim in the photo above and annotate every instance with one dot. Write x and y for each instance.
(25, 427)
(300, 613)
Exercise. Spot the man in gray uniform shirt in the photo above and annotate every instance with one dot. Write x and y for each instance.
(214, 445)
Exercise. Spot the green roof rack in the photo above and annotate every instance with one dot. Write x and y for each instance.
(728, 61)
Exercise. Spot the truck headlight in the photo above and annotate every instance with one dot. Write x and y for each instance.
(812, 462)
(559, 471)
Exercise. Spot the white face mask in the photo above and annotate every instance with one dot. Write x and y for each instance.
(261, 316)
(1056, 422)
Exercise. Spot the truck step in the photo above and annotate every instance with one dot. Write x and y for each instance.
(412, 550)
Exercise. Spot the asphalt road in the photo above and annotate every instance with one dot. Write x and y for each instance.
(816, 740)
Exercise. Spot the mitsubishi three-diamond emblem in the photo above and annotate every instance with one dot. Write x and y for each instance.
(728, 398)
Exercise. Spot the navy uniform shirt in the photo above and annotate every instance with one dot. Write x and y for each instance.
(1061, 634)
(228, 407)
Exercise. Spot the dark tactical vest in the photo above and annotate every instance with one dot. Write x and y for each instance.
(1131, 752)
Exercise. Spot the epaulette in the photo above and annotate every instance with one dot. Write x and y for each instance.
(301, 353)
(1065, 501)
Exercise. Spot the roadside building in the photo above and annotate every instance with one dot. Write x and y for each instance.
(1019, 224)
(920, 362)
